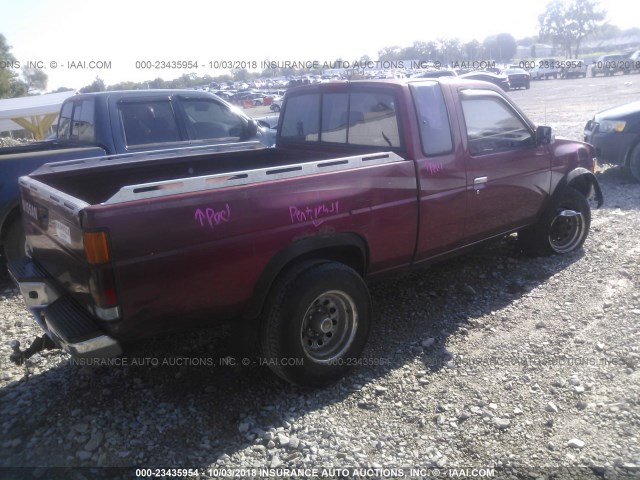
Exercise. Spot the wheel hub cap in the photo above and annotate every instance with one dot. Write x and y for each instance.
(329, 326)
(320, 322)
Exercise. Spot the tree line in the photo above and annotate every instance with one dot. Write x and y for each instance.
(564, 23)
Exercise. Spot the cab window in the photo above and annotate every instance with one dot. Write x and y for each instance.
(493, 126)
(64, 123)
(302, 119)
(433, 119)
(206, 119)
(359, 119)
(83, 124)
(148, 122)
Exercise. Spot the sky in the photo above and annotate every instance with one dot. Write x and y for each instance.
(64, 36)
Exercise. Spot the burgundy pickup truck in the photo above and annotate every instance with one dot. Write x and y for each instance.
(366, 177)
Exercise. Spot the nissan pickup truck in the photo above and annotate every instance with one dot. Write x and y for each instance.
(119, 122)
(366, 177)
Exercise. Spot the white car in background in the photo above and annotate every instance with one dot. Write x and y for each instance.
(276, 104)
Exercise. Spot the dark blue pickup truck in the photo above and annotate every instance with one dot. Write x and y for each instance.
(121, 123)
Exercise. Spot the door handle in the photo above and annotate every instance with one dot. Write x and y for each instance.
(479, 183)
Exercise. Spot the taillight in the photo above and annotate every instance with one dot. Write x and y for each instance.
(102, 283)
(96, 247)
(103, 288)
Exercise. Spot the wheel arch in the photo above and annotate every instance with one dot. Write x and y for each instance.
(346, 248)
(581, 180)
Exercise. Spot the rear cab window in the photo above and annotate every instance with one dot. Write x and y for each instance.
(359, 118)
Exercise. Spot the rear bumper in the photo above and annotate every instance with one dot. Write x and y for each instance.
(69, 325)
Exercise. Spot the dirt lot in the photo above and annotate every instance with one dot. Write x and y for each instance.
(493, 360)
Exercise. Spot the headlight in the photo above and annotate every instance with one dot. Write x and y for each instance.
(608, 126)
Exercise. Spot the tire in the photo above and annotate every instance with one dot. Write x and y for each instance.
(15, 242)
(634, 163)
(318, 315)
(558, 231)
(276, 108)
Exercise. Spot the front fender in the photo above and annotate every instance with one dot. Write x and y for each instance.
(582, 180)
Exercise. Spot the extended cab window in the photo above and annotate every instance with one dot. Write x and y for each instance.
(493, 126)
(366, 118)
(148, 122)
(207, 119)
(433, 119)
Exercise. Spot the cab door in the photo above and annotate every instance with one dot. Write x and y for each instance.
(508, 173)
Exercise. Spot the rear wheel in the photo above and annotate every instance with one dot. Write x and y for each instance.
(316, 323)
(562, 229)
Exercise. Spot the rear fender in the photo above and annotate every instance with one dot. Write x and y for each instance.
(347, 248)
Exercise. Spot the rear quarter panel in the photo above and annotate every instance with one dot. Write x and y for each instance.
(201, 254)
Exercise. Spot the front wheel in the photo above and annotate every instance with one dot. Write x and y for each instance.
(562, 229)
(316, 323)
(634, 163)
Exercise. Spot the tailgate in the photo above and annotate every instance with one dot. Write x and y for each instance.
(52, 226)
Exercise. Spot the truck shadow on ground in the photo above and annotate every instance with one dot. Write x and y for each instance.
(177, 411)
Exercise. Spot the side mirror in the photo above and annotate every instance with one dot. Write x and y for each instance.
(252, 129)
(545, 135)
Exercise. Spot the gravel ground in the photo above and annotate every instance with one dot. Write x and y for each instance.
(491, 360)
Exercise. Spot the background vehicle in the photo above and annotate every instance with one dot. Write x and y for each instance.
(499, 80)
(634, 62)
(120, 123)
(545, 69)
(437, 74)
(518, 78)
(276, 105)
(615, 133)
(366, 177)
(574, 69)
(608, 65)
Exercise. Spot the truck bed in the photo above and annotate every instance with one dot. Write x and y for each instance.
(100, 181)
(104, 181)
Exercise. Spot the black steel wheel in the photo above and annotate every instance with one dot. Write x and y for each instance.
(562, 229)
